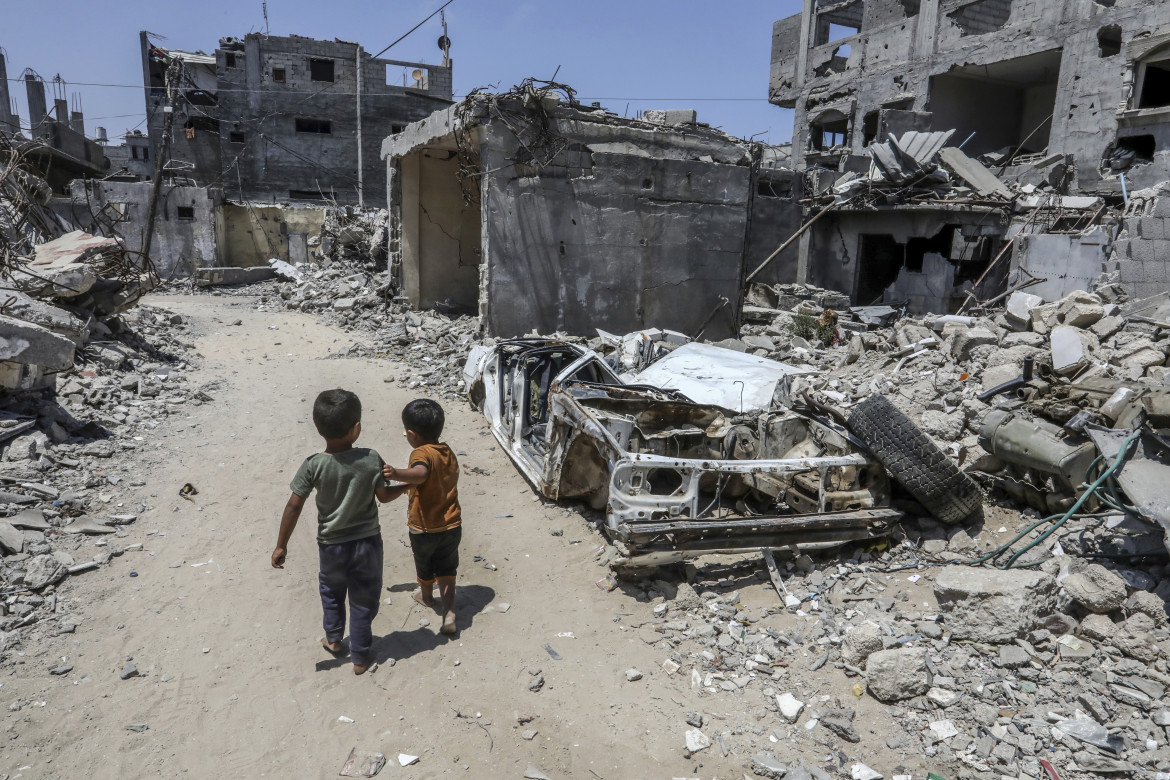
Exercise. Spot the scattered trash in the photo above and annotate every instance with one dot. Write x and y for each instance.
(362, 763)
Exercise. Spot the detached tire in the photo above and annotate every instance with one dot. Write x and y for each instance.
(914, 461)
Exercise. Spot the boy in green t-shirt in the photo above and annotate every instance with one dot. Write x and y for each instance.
(347, 480)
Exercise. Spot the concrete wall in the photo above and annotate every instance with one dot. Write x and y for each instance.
(252, 234)
(774, 219)
(179, 245)
(631, 225)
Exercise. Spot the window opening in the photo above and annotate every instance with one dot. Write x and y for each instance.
(319, 126)
(1109, 40)
(320, 70)
(185, 213)
(278, 75)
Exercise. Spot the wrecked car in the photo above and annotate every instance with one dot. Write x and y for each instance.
(678, 478)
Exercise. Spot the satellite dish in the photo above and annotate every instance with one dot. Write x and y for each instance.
(416, 74)
(444, 42)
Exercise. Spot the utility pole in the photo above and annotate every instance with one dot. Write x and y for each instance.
(172, 79)
(361, 201)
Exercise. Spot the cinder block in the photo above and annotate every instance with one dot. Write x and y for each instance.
(1144, 250)
(1152, 227)
(1131, 271)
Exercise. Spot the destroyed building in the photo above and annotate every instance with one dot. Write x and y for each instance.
(278, 119)
(1057, 117)
(541, 213)
(58, 148)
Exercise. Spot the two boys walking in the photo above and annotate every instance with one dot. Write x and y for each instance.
(350, 481)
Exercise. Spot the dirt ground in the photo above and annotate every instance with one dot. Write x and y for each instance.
(233, 681)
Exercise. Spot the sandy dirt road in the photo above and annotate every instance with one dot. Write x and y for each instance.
(233, 682)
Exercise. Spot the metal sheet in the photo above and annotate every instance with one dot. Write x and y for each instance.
(1144, 476)
(720, 377)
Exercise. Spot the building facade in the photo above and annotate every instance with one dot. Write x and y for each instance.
(273, 119)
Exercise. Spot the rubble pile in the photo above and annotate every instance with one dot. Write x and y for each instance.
(983, 672)
(66, 457)
(938, 368)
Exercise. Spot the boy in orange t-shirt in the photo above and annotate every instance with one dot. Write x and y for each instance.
(434, 517)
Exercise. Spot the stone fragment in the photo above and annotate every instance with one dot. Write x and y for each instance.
(860, 771)
(859, 642)
(993, 605)
(536, 683)
(1106, 327)
(967, 339)
(840, 722)
(41, 571)
(11, 539)
(790, 706)
(894, 675)
(942, 697)
(696, 740)
(1080, 310)
(633, 675)
(128, 671)
(765, 764)
(1096, 589)
(1013, 656)
(1098, 627)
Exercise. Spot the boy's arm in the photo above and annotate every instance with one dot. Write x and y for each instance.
(389, 493)
(415, 475)
(288, 521)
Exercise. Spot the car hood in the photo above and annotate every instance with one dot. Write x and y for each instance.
(715, 376)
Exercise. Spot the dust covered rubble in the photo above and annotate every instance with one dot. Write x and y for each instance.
(963, 671)
(934, 367)
(70, 461)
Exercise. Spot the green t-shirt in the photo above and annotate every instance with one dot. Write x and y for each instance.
(345, 483)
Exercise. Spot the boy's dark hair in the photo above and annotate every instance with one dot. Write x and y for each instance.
(424, 417)
(335, 412)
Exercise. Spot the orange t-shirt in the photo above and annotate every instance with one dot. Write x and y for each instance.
(434, 503)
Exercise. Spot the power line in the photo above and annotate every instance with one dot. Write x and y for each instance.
(412, 29)
(458, 97)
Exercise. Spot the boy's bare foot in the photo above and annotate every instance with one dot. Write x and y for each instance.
(448, 626)
(427, 600)
(335, 649)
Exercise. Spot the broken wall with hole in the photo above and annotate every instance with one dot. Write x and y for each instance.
(185, 227)
(1021, 79)
(615, 223)
(925, 258)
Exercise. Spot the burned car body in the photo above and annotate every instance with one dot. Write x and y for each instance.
(677, 478)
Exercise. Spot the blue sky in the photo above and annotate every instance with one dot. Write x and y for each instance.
(631, 55)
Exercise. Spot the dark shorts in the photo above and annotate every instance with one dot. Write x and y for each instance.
(437, 554)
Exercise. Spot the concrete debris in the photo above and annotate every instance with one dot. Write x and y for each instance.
(1096, 589)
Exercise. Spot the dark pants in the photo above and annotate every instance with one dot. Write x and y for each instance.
(436, 555)
(353, 569)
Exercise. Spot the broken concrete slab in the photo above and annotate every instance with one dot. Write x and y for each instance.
(215, 277)
(991, 605)
(1070, 351)
(973, 172)
(29, 344)
(1019, 309)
